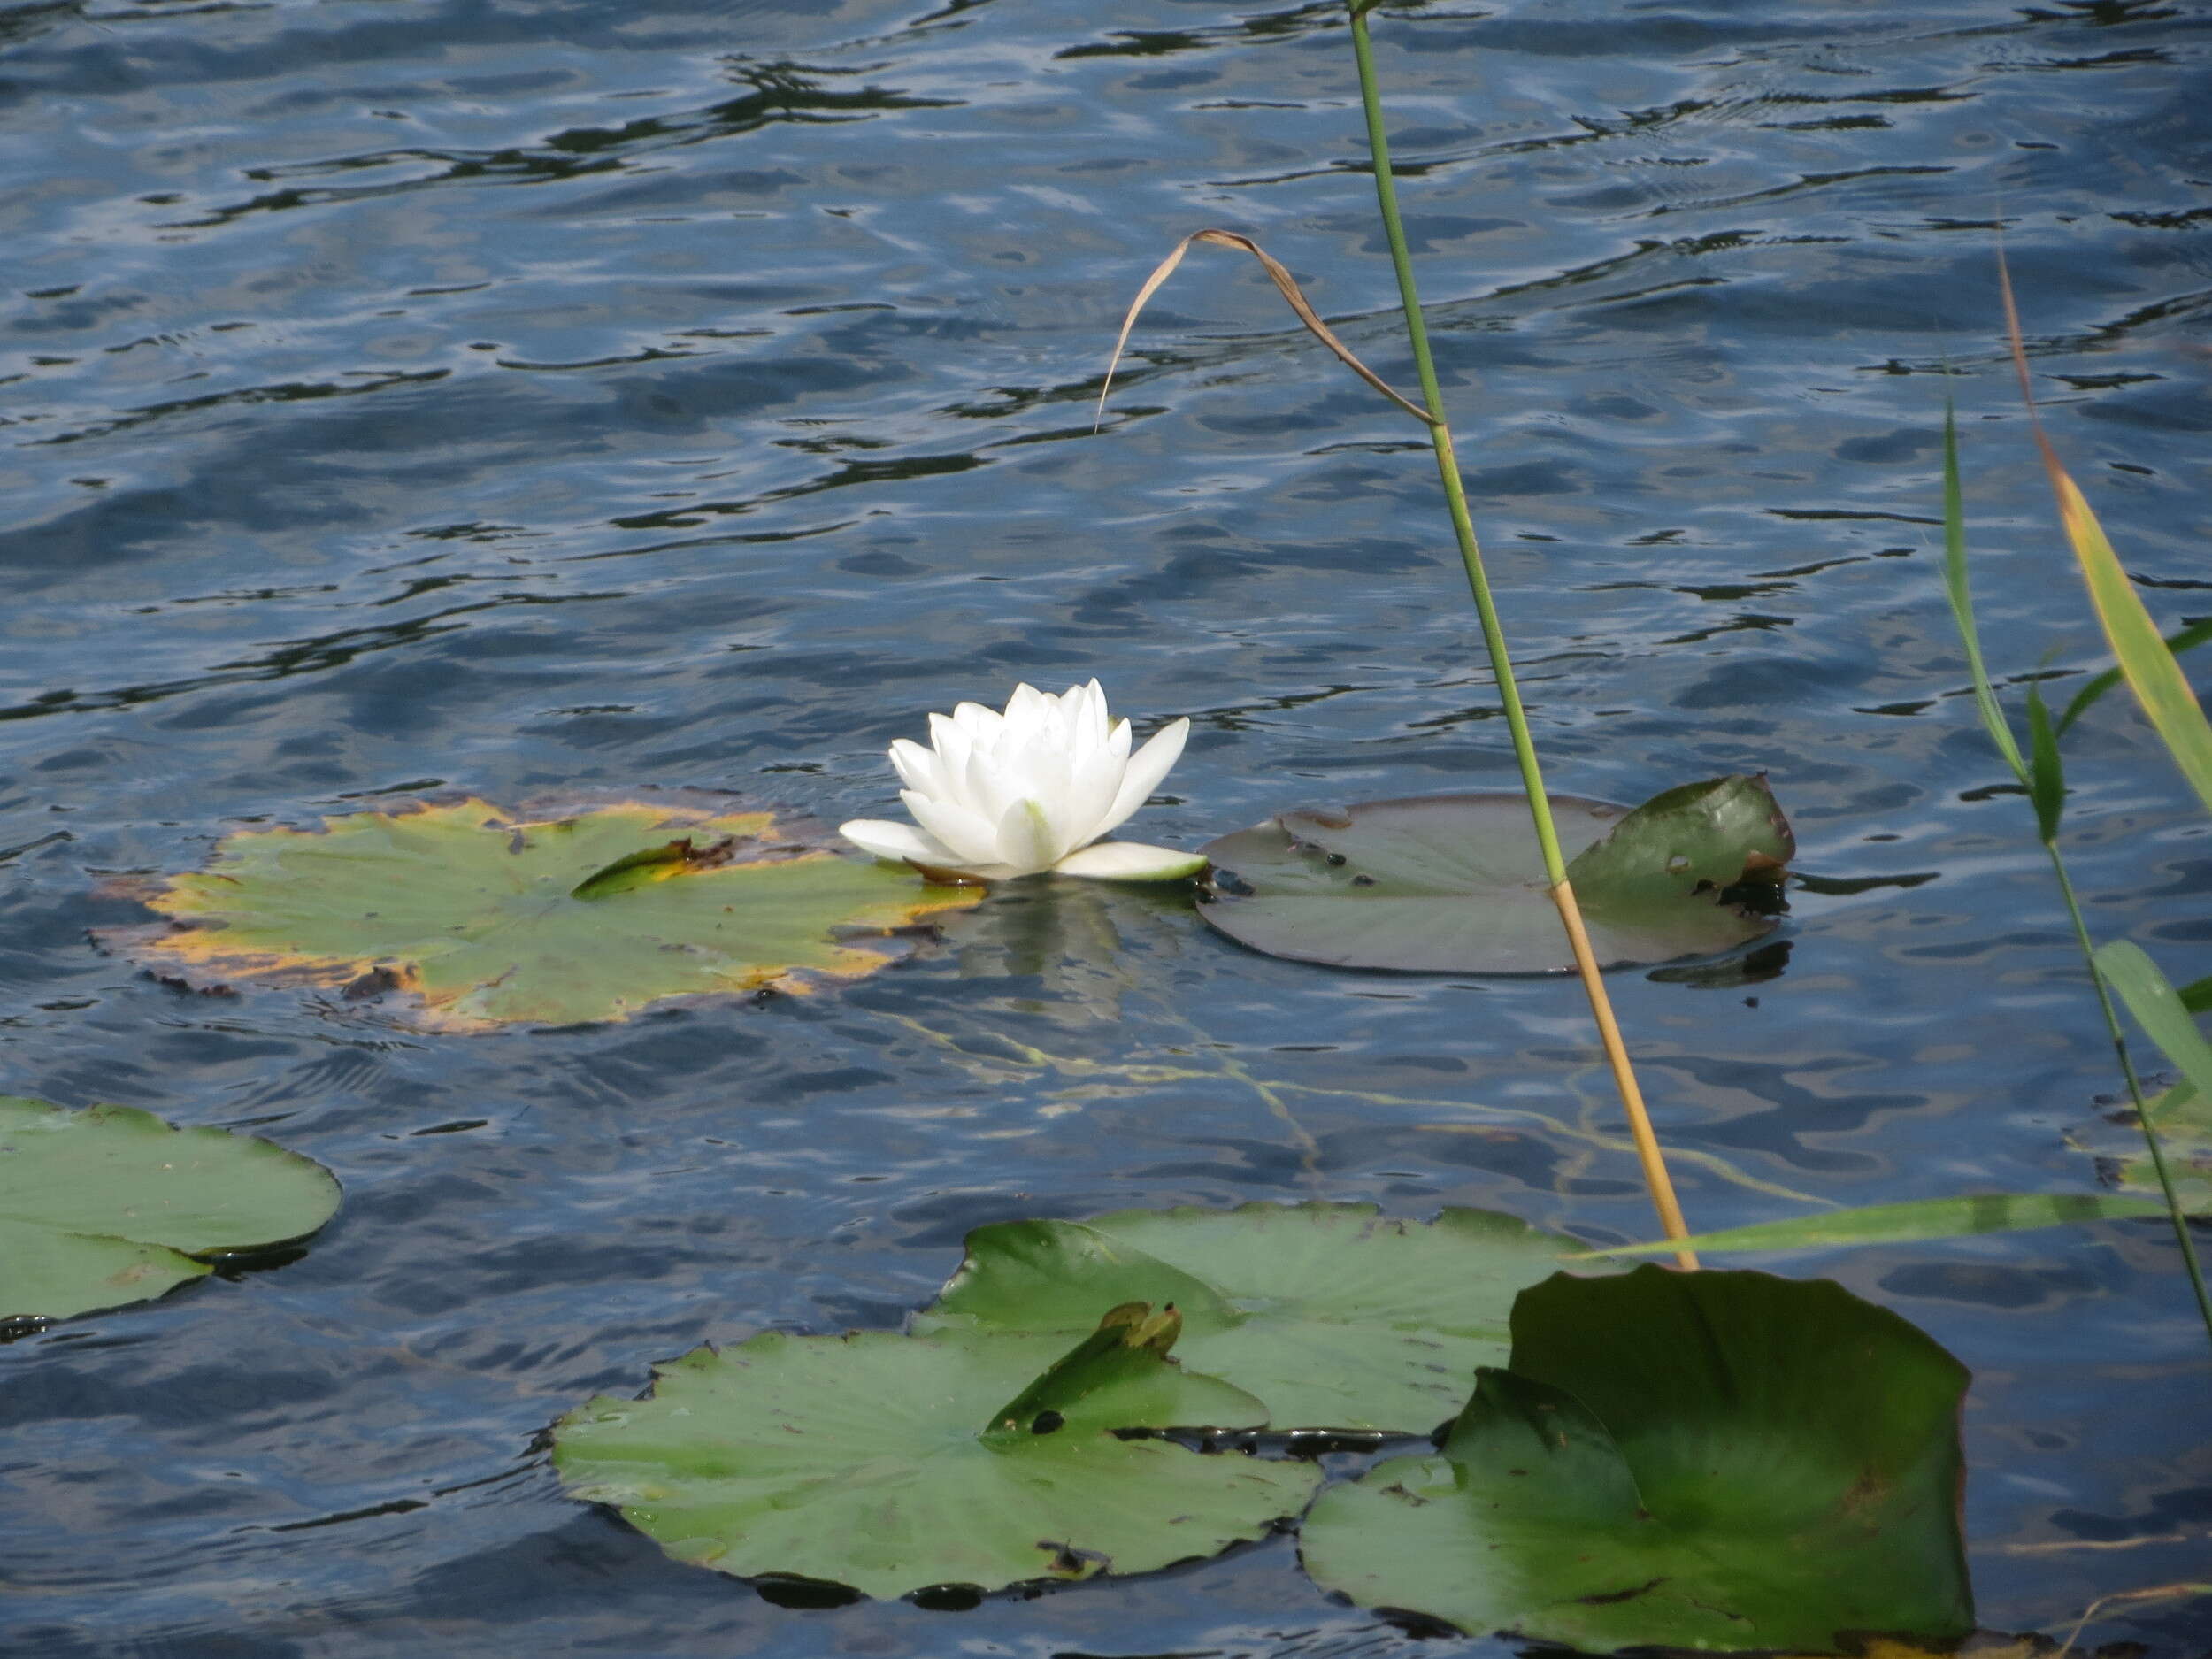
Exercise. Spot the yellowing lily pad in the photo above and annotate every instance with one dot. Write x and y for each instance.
(110, 1205)
(490, 919)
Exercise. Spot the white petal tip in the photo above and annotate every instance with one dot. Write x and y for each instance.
(1130, 861)
(894, 844)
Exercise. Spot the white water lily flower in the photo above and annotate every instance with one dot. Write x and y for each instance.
(1000, 795)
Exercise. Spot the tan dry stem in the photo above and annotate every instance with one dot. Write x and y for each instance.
(1647, 1153)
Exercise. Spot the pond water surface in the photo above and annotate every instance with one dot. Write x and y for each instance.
(518, 395)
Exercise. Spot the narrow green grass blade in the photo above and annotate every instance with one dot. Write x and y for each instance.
(2159, 1010)
(2183, 640)
(2196, 996)
(2146, 663)
(1962, 596)
(2145, 660)
(1909, 1223)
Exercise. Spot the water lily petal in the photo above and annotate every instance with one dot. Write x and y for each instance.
(1025, 841)
(1095, 725)
(980, 723)
(1146, 767)
(988, 784)
(1130, 861)
(1056, 726)
(887, 839)
(1093, 782)
(918, 768)
(1076, 718)
(952, 742)
(1046, 768)
(972, 839)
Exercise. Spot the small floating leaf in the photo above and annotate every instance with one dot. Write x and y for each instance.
(1333, 1315)
(897, 1463)
(1722, 1460)
(1455, 884)
(489, 919)
(110, 1205)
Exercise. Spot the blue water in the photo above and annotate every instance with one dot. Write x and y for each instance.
(529, 395)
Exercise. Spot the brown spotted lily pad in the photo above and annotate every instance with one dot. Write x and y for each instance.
(489, 918)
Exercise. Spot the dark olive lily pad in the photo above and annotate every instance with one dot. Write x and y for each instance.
(897, 1463)
(1335, 1316)
(110, 1205)
(487, 919)
(1454, 883)
(1717, 1460)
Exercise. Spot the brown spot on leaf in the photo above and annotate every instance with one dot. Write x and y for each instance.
(1070, 1562)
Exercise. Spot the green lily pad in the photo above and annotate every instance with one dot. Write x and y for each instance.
(1454, 883)
(110, 1205)
(1335, 1316)
(486, 919)
(897, 1463)
(1722, 1460)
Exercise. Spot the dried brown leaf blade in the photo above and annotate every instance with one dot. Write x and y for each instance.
(1285, 283)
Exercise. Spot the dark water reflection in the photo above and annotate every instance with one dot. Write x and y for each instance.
(559, 393)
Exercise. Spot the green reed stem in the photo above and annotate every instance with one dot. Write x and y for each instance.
(1447, 461)
(1654, 1162)
(2041, 780)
